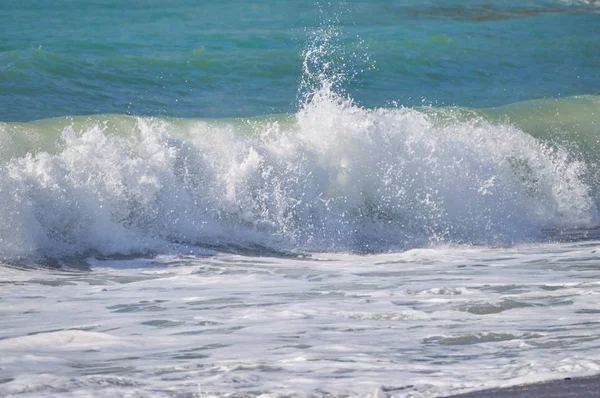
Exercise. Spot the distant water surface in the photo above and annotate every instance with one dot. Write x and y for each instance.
(216, 59)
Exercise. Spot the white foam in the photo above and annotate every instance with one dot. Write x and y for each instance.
(339, 178)
(244, 325)
(66, 339)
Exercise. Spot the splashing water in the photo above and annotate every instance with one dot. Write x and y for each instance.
(333, 177)
(330, 60)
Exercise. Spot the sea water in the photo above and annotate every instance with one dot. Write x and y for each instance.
(297, 198)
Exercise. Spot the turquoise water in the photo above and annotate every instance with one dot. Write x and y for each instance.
(238, 59)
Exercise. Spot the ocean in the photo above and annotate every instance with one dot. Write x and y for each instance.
(297, 198)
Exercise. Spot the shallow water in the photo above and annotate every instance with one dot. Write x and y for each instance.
(426, 322)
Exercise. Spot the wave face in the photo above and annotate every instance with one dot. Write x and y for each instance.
(334, 176)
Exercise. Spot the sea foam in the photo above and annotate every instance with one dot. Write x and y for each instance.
(334, 176)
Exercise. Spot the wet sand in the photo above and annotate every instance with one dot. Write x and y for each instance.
(580, 387)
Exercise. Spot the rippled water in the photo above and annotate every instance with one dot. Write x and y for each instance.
(206, 59)
(427, 322)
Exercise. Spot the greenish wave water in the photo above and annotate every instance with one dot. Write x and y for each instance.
(572, 120)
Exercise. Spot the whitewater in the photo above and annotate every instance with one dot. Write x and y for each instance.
(336, 250)
(340, 250)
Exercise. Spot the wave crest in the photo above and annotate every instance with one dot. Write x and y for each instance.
(333, 177)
